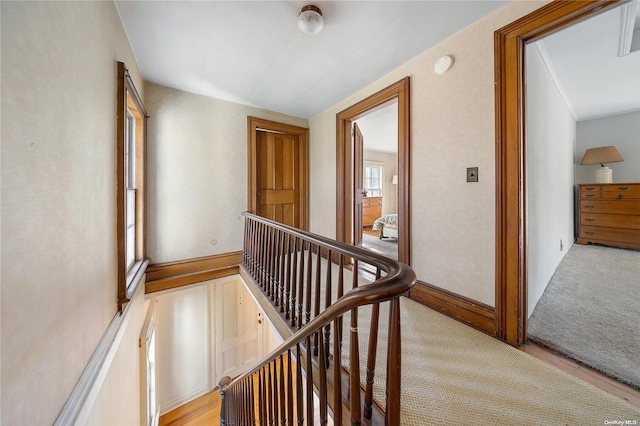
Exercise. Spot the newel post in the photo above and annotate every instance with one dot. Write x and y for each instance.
(224, 382)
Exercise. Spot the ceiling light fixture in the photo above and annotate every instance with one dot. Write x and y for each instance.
(310, 20)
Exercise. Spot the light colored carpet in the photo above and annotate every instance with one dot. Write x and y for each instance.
(387, 246)
(452, 374)
(590, 311)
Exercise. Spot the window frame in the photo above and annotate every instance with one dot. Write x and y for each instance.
(380, 166)
(129, 102)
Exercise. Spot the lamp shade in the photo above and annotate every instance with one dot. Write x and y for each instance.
(601, 155)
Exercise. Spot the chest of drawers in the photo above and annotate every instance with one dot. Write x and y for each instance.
(609, 214)
(371, 210)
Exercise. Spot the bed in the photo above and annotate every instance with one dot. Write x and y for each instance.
(388, 226)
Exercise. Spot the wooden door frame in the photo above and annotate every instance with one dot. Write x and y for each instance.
(253, 125)
(509, 52)
(399, 91)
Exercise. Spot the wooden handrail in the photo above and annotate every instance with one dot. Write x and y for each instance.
(280, 259)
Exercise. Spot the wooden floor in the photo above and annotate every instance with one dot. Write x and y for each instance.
(368, 230)
(204, 410)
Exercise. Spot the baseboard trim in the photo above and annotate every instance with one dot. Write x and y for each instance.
(170, 275)
(179, 402)
(468, 311)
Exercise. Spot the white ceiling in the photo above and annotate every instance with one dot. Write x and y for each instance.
(583, 60)
(253, 53)
(380, 129)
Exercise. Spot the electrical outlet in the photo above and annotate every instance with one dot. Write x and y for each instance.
(472, 174)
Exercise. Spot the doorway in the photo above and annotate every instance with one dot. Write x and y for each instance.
(511, 256)
(278, 176)
(377, 167)
(347, 193)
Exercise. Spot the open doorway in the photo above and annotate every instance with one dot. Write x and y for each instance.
(513, 182)
(350, 195)
(379, 167)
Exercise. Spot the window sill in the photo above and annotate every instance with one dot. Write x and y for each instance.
(135, 276)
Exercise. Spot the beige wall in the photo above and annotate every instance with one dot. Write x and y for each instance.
(197, 172)
(452, 118)
(59, 78)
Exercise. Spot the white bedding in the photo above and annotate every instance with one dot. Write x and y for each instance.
(388, 226)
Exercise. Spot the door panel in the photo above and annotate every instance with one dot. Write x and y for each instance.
(358, 184)
(238, 329)
(278, 171)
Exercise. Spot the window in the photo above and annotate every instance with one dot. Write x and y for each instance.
(373, 179)
(131, 179)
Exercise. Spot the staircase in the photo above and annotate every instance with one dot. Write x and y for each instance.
(315, 286)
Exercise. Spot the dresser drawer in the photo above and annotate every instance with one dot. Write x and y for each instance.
(372, 201)
(613, 207)
(592, 191)
(631, 236)
(621, 192)
(610, 220)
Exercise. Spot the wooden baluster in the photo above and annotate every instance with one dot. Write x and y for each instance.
(252, 245)
(272, 251)
(254, 250)
(260, 397)
(287, 280)
(308, 290)
(354, 355)
(289, 388)
(281, 275)
(269, 394)
(244, 241)
(371, 356)
(300, 285)
(299, 395)
(338, 330)
(322, 388)
(283, 393)
(258, 272)
(392, 414)
(316, 305)
(309, 383)
(337, 373)
(264, 277)
(327, 303)
(294, 284)
(252, 400)
(224, 401)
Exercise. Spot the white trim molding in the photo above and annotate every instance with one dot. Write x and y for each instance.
(83, 396)
(627, 22)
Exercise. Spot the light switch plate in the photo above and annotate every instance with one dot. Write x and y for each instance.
(472, 174)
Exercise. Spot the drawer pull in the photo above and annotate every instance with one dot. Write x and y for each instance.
(589, 188)
(589, 232)
(623, 188)
(589, 219)
(590, 195)
(589, 207)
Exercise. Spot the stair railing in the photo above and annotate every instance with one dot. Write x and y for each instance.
(288, 264)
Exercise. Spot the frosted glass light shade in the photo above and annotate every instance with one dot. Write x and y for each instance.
(310, 20)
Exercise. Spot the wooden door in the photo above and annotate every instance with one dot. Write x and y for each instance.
(277, 173)
(238, 329)
(358, 184)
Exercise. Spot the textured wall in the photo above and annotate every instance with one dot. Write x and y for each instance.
(59, 78)
(551, 140)
(197, 172)
(452, 119)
